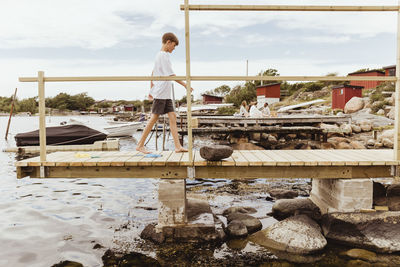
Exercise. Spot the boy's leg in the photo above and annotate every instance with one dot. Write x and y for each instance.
(140, 146)
(174, 131)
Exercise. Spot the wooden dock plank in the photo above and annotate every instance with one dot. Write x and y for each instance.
(240, 160)
(228, 162)
(252, 158)
(266, 160)
(303, 155)
(185, 159)
(198, 160)
(105, 160)
(161, 161)
(121, 157)
(95, 156)
(290, 156)
(280, 160)
(330, 158)
(66, 159)
(174, 159)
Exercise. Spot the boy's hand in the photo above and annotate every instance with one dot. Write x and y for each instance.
(150, 97)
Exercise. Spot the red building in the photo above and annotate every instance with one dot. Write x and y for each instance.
(390, 70)
(367, 84)
(212, 99)
(343, 93)
(270, 93)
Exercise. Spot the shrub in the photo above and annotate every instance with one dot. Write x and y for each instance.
(226, 110)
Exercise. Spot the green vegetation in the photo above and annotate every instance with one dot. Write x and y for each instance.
(226, 110)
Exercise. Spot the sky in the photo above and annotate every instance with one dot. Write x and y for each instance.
(122, 37)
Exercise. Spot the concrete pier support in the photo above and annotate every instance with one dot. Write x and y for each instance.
(172, 202)
(344, 195)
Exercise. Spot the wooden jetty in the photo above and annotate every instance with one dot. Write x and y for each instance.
(285, 120)
(244, 164)
(315, 132)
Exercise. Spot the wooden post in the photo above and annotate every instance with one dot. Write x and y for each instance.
(42, 117)
(188, 85)
(11, 112)
(397, 99)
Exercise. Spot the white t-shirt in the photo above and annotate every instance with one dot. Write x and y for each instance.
(162, 67)
(255, 112)
(266, 111)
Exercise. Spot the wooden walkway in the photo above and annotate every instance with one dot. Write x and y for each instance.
(244, 164)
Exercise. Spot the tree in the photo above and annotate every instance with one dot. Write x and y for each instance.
(222, 90)
(268, 72)
(27, 105)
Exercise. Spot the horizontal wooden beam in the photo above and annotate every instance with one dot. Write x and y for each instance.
(209, 172)
(209, 78)
(288, 8)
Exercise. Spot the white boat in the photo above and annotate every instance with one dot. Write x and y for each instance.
(126, 129)
(118, 130)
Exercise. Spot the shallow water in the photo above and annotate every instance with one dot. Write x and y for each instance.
(46, 221)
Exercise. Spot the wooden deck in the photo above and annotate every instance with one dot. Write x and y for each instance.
(244, 164)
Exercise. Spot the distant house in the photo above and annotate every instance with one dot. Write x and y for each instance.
(118, 109)
(270, 93)
(211, 99)
(129, 108)
(343, 93)
(390, 70)
(367, 84)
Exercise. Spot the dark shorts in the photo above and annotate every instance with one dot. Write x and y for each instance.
(162, 106)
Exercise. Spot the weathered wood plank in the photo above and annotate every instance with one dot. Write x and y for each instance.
(161, 161)
(174, 159)
(240, 160)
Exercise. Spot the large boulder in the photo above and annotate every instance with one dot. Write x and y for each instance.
(353, 105)
(357, 145)
(346, 128)
(244, 210)
(285, 208)
(366, 125)
(376, 231)
(283, 193)
(391, 114)
(236, 229)
(252, 223)
(298, 234)
(215, 152)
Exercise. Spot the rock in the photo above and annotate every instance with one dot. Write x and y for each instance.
(215, 152)
(378, 145)
(111, 258)
(365, 125)
(290, 137)
(236, 229)
(264, 136)
(371, 142)
(150, 233)
(282, 140)
(285, 208)
(387, 143)
(256, 136)
(393, 197)
(357, 145)
(358, 263)
(283, 193)
(346, 128)
(343, 145)
(353, 105)
(327, 146)
(355, 128)
(246, 146)
(244, 210)
(298, 234)
(391, 113)
(377, 231)
(252, 224)
(361, 254)
(380, 112)
(272, 139)
(387, 134)
(393, 96)
(330, 128)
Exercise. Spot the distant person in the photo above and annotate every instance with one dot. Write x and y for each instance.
(266, 112)
(160, 93)
(244, 109)
(254, 111)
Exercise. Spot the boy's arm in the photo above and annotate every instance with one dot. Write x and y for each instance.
(151, 82)
(182, 83)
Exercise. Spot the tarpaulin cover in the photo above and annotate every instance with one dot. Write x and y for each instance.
(61, 135)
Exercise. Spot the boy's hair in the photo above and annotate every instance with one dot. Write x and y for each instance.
(171, 37)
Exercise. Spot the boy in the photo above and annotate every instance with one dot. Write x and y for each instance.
(160, 92)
